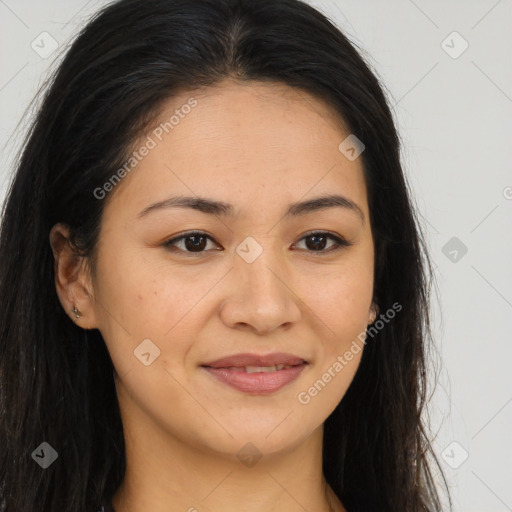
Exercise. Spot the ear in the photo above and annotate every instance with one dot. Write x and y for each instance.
(374, 311)
(72, 278)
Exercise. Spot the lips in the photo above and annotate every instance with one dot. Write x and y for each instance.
(258, 361)
(251, 373)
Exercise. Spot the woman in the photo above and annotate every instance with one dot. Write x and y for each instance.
(214, 288)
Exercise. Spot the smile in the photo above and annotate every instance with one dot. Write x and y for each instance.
(257, 379)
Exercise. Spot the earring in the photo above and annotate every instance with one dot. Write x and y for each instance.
(76, 312)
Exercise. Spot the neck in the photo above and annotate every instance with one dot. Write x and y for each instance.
(164, 473)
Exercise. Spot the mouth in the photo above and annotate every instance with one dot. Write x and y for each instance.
(255, 374)
(258, 369)
(254, 360)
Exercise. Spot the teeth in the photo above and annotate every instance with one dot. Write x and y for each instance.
(256, 369)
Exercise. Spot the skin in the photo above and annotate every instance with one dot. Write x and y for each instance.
(258, 147)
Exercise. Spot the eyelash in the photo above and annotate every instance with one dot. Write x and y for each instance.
(340, 242)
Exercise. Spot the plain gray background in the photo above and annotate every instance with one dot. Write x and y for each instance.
(453, 106)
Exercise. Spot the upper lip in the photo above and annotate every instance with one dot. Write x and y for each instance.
(246, 359)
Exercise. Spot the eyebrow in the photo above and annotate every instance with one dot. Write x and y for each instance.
(213, 207)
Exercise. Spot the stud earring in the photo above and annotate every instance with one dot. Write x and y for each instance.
(76, 312)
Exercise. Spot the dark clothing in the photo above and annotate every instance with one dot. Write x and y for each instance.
(106, 508)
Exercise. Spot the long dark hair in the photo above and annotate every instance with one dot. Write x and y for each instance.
(56, 383)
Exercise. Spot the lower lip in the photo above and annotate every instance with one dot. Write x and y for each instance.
(259, 382)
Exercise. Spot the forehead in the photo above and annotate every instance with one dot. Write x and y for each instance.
(248, 144)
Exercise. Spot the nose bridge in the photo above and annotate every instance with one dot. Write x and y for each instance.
(260, 296)
(257, 265)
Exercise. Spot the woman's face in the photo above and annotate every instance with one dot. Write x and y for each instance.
(255, 281)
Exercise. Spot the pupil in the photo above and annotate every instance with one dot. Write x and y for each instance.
(195, 245)
(316, 237)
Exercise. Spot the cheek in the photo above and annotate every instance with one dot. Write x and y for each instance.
(143, 297)
(152, 300)
(342, 308)
(342, 299)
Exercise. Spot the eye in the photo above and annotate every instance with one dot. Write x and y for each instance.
(197, 242)
(194, 242)
(318, 241)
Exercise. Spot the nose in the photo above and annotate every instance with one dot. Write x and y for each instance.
(260, 296)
